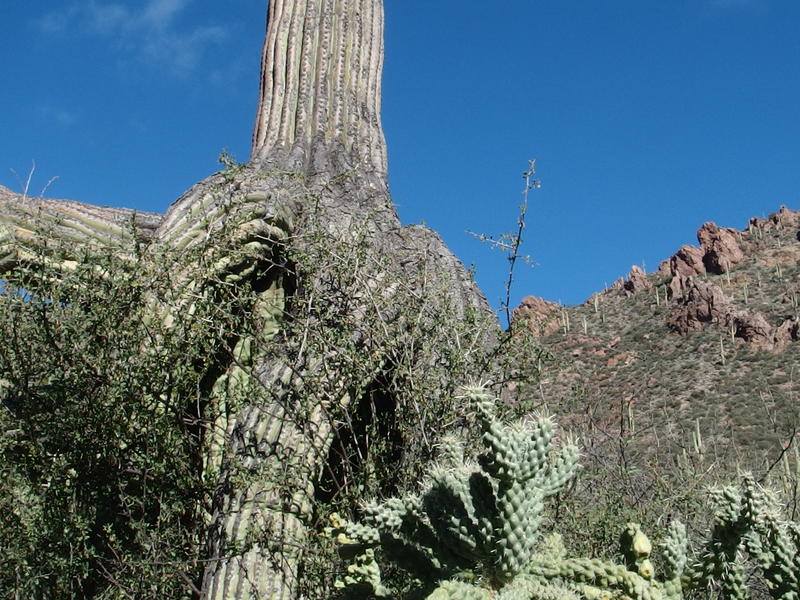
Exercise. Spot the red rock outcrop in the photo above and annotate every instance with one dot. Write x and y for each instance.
(753, 329)
(678, 286)
(720, 246)
(686, 262)
(786, 332)
(637, 281)
(694, 302)
(786, 218)
(783, 219)
(719, 251)
(701, 304)
(540, 315)
(704, 304)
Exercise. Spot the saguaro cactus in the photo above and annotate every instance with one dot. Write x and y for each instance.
(318, 158)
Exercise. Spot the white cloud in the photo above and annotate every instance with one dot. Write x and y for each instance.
(151, 31)
(55, 22)
(106, 19)
(183, 51)
(59, 116)
(161, 12)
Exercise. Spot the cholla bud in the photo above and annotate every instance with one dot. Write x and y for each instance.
(646, 569)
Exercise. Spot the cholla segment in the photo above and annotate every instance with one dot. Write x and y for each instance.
(770, 543)
(601, 575)
(675, 551)
(458, 590)
(480, 518)
(747, 519)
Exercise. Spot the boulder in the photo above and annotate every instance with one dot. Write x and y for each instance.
(720, 247)
(786, 217)
(702, 303)
(687, 261)
(540, 315)
(786, 332)
(637, 281)
(753, 328)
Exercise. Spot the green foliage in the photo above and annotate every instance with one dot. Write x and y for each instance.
(474, 532)
(102, 492)
(396, 341)
(231, 166)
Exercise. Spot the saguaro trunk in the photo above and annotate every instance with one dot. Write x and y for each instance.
(318, 155)
(321, 82)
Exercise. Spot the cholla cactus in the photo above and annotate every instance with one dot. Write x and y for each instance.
(472, 521)
(747, 519)
(473, 533)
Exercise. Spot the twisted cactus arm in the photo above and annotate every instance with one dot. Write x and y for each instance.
(69, 226)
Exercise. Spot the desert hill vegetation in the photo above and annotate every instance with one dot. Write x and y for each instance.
(275, 390)
(688, 374)
(709, 340)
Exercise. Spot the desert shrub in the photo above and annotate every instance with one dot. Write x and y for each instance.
(100, 479)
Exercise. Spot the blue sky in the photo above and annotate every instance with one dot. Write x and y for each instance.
(647, 117)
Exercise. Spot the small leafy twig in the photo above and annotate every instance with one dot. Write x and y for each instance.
(511, 242)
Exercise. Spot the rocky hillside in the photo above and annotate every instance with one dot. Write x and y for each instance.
(702, 356)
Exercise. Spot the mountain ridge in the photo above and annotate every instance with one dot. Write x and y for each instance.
(708, 342)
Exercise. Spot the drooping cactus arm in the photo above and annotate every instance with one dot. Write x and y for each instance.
(274, 448)
(321, 84)
(28, 225)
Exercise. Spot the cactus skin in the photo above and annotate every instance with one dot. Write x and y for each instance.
(457, 590)
(675, 558)
(473, 533)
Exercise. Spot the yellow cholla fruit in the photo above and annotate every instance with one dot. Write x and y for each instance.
(343, 539)
(336, 520)
(641, 544)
